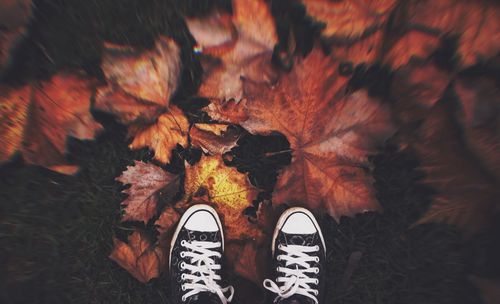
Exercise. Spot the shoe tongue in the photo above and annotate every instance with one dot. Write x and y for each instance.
(296, 299)
(204, 298)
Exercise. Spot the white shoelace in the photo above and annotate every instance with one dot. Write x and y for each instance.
(295, 280)
(202, 267)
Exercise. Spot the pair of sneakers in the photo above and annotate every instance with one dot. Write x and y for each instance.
(298, 253)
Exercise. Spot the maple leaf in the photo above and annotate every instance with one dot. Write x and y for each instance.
(466, 194)
(14, 17)
(139, 257)
(147, 181)
(331, 135)
(170, 129)
(214, 138)
(141, 82)
(40, 117)
(249, 56)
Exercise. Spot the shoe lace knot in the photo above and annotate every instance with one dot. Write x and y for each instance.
(296, 276)
(201, 273)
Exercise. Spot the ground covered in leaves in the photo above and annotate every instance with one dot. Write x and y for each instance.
(389, 70)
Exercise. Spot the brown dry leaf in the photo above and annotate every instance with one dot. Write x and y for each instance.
(39, 118)
(214, 138)
(412, 45)
(139, 257)
(249, 56)
(141, 82)
(350, 20)
(147, 181)
(214, 34)
(170, 129)
(14, 17)
(331, 135)
(365, 50)
(477, 23)
(229, 111)
(167, 220)
(466, 195)
(416, 89)
(226, 188)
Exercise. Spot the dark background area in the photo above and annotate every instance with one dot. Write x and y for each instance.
(56, 231)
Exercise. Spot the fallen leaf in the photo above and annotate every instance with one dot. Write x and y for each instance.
(170, 129)
(476, 23)
(167, 221)
(139, 257)
(249, 57)
(229, 111)
(40, 117)
(413, 45)
(226, 188)
(466, 195)
(480, 119)
(141, 82)
(147, 181)
(215, 33)
(14, 18)
(350, 20)
(214, 138)
(331, 135)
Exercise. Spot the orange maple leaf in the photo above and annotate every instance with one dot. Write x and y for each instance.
(147, 181)
(139, 257)
(247, 55)
(40, 117)
(331, 135)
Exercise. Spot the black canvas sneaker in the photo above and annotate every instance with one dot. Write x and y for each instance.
(299, 254)
(195, 258)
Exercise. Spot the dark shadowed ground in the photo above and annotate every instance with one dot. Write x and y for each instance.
(56, 231)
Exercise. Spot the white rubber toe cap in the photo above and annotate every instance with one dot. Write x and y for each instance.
(202, 220)
(299, 223)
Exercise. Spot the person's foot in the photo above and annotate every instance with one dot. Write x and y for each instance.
(195, 258)
(299, 254)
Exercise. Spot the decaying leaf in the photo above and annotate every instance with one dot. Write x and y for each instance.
(14, 17)
(466, 194)
(146, 181)
(229, 111)
(140, 81)
(170, 129)
(226, 188)
(39, 118)
(249, 56)
(167, 220)
(139, 257)
(331, 135)
(214, 138)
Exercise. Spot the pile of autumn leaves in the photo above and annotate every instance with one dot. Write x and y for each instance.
(448, 119)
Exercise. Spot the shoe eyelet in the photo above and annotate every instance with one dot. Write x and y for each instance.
(278, 268)
(183, 289)
(316, 281)
(280, 247)
(183, 298)
(183, 243)
(316, 259)
(183, 276)
(316, 293)
(278, 258)
(183, 265)
(183, 254)
(316, 247)
(316, 270)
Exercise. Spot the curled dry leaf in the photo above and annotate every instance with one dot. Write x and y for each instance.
(226, 188)
(170, 129)
(39, 118)
(331, 135)
(141, 82)
(229, 111)
(248, 55)
(139, 257)
(14, 17)
(214, 138)
(147, 181)
(466, 194)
